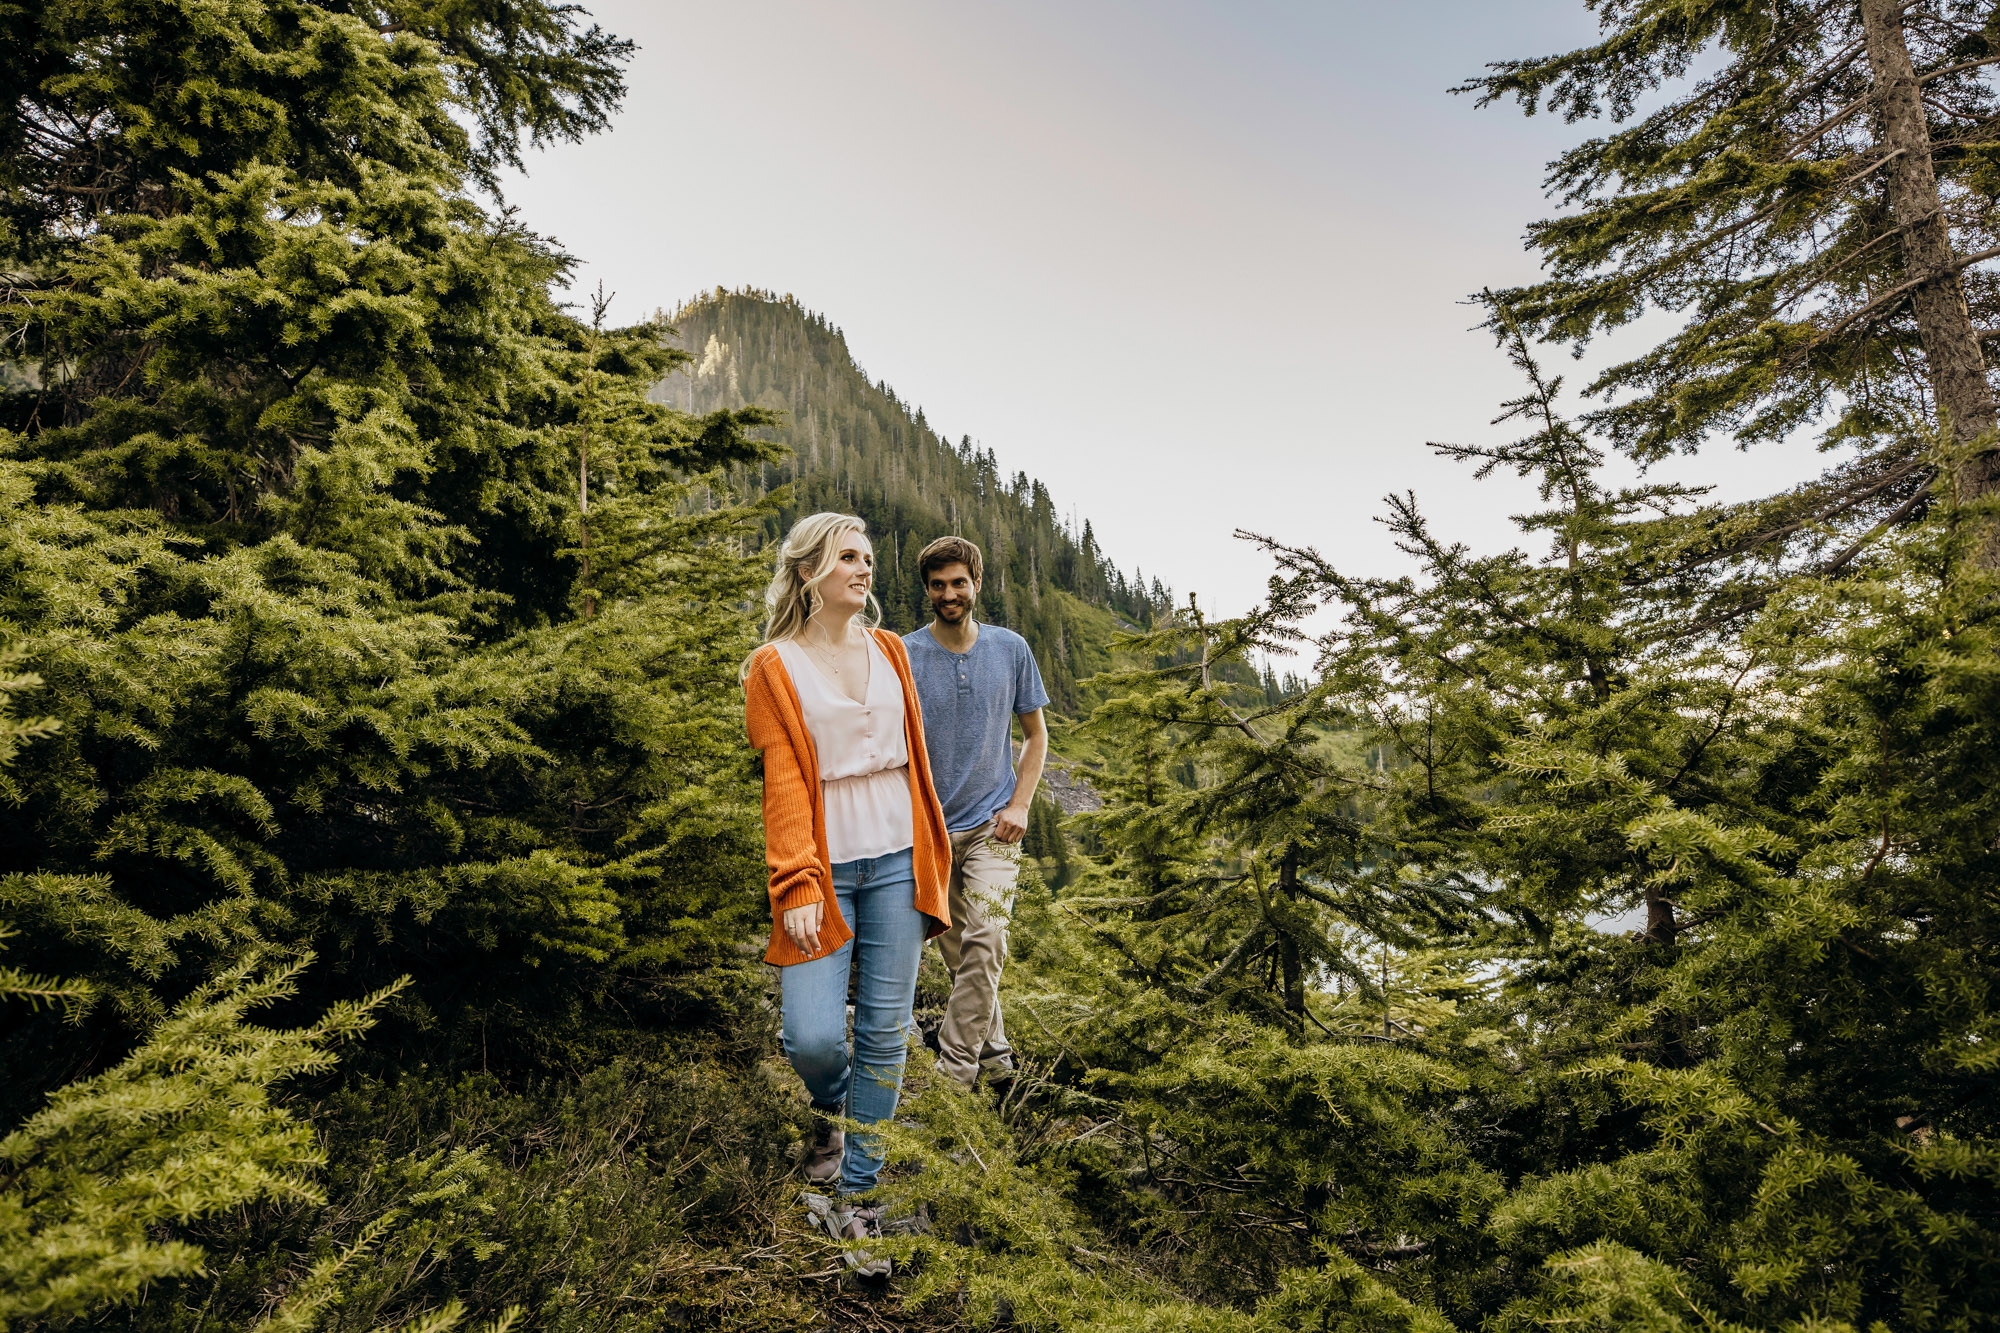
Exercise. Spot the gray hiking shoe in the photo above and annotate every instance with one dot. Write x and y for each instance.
(820, 1163)
(847, 1223)
(915, 1222)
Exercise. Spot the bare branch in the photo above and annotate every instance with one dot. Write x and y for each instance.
(1804, 140)
(1868, 538)
(1961, 65)
(1892, 297)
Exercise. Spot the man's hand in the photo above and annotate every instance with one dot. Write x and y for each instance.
(1010, 824)
(802, 924)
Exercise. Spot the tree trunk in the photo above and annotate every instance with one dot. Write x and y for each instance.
(1944, 324)
(1660, 924)
(1288, 948)
(583, 518)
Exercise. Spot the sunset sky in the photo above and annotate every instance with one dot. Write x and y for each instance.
(1196, 266)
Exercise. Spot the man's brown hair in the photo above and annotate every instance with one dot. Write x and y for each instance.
(950, 551)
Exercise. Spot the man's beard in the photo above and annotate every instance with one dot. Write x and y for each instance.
(952, 610)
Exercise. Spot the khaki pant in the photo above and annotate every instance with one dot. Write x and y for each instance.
(973, 1035)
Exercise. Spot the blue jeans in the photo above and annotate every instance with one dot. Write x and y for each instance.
(877, 898)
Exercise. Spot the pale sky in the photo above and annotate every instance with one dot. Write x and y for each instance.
(1197, 266)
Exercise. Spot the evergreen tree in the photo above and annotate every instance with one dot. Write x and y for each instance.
(1772, 1104)
(185, 1127)
(295, 535)
(293, 476)
(1045, 842)
(1817, 208)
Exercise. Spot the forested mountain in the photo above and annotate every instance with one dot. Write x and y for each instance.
(856, 446)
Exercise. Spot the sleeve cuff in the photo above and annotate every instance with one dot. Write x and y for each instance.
(803, 894)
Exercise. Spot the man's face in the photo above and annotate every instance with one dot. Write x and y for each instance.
(952, 593)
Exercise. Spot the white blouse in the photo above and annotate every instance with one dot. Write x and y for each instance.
(864, 758)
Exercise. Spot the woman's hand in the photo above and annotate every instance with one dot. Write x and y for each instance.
(802, 924)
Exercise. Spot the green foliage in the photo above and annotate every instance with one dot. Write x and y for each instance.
(182, 1128)
(294, 535)
(1325, 1027)
(299, 466)
(1344, 1297)
(1749, 198)
(1006, 1245)
(1809, 192)
(623, 1198)
(14, 732)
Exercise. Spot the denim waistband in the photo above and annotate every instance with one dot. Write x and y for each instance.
(884, 869)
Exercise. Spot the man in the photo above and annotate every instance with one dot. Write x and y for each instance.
(973, 681)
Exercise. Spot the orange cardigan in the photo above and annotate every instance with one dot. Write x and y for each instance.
(795, 813)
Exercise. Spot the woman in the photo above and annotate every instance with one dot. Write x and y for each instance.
(855, 840)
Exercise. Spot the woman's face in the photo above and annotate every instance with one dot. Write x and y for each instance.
(845, 590)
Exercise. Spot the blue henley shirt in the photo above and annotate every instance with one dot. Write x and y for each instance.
(969, 702)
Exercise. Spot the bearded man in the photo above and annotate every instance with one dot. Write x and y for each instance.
(974, 681)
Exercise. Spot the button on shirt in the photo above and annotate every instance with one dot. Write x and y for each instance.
(864, 760)
(970, 700)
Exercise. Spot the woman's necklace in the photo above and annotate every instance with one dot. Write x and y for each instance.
(823, 655)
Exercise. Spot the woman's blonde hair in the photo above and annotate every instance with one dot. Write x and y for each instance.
(807, 558)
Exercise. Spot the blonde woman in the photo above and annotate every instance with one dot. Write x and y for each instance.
(855, 840)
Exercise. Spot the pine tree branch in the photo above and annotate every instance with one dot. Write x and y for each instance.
(1888, 299)
(1694, 249)
(1881, 852)
(1960, 66)
(1816, 79)
(1804, 140)
(1322, 899)
(1206, 685)
(1116, 941)
(39, 990)
(1721, 719)
(1836, 506)
(1814, 275)
(1756, 601)
(1237, 956)
(1361, 1249)
(1873, 534)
